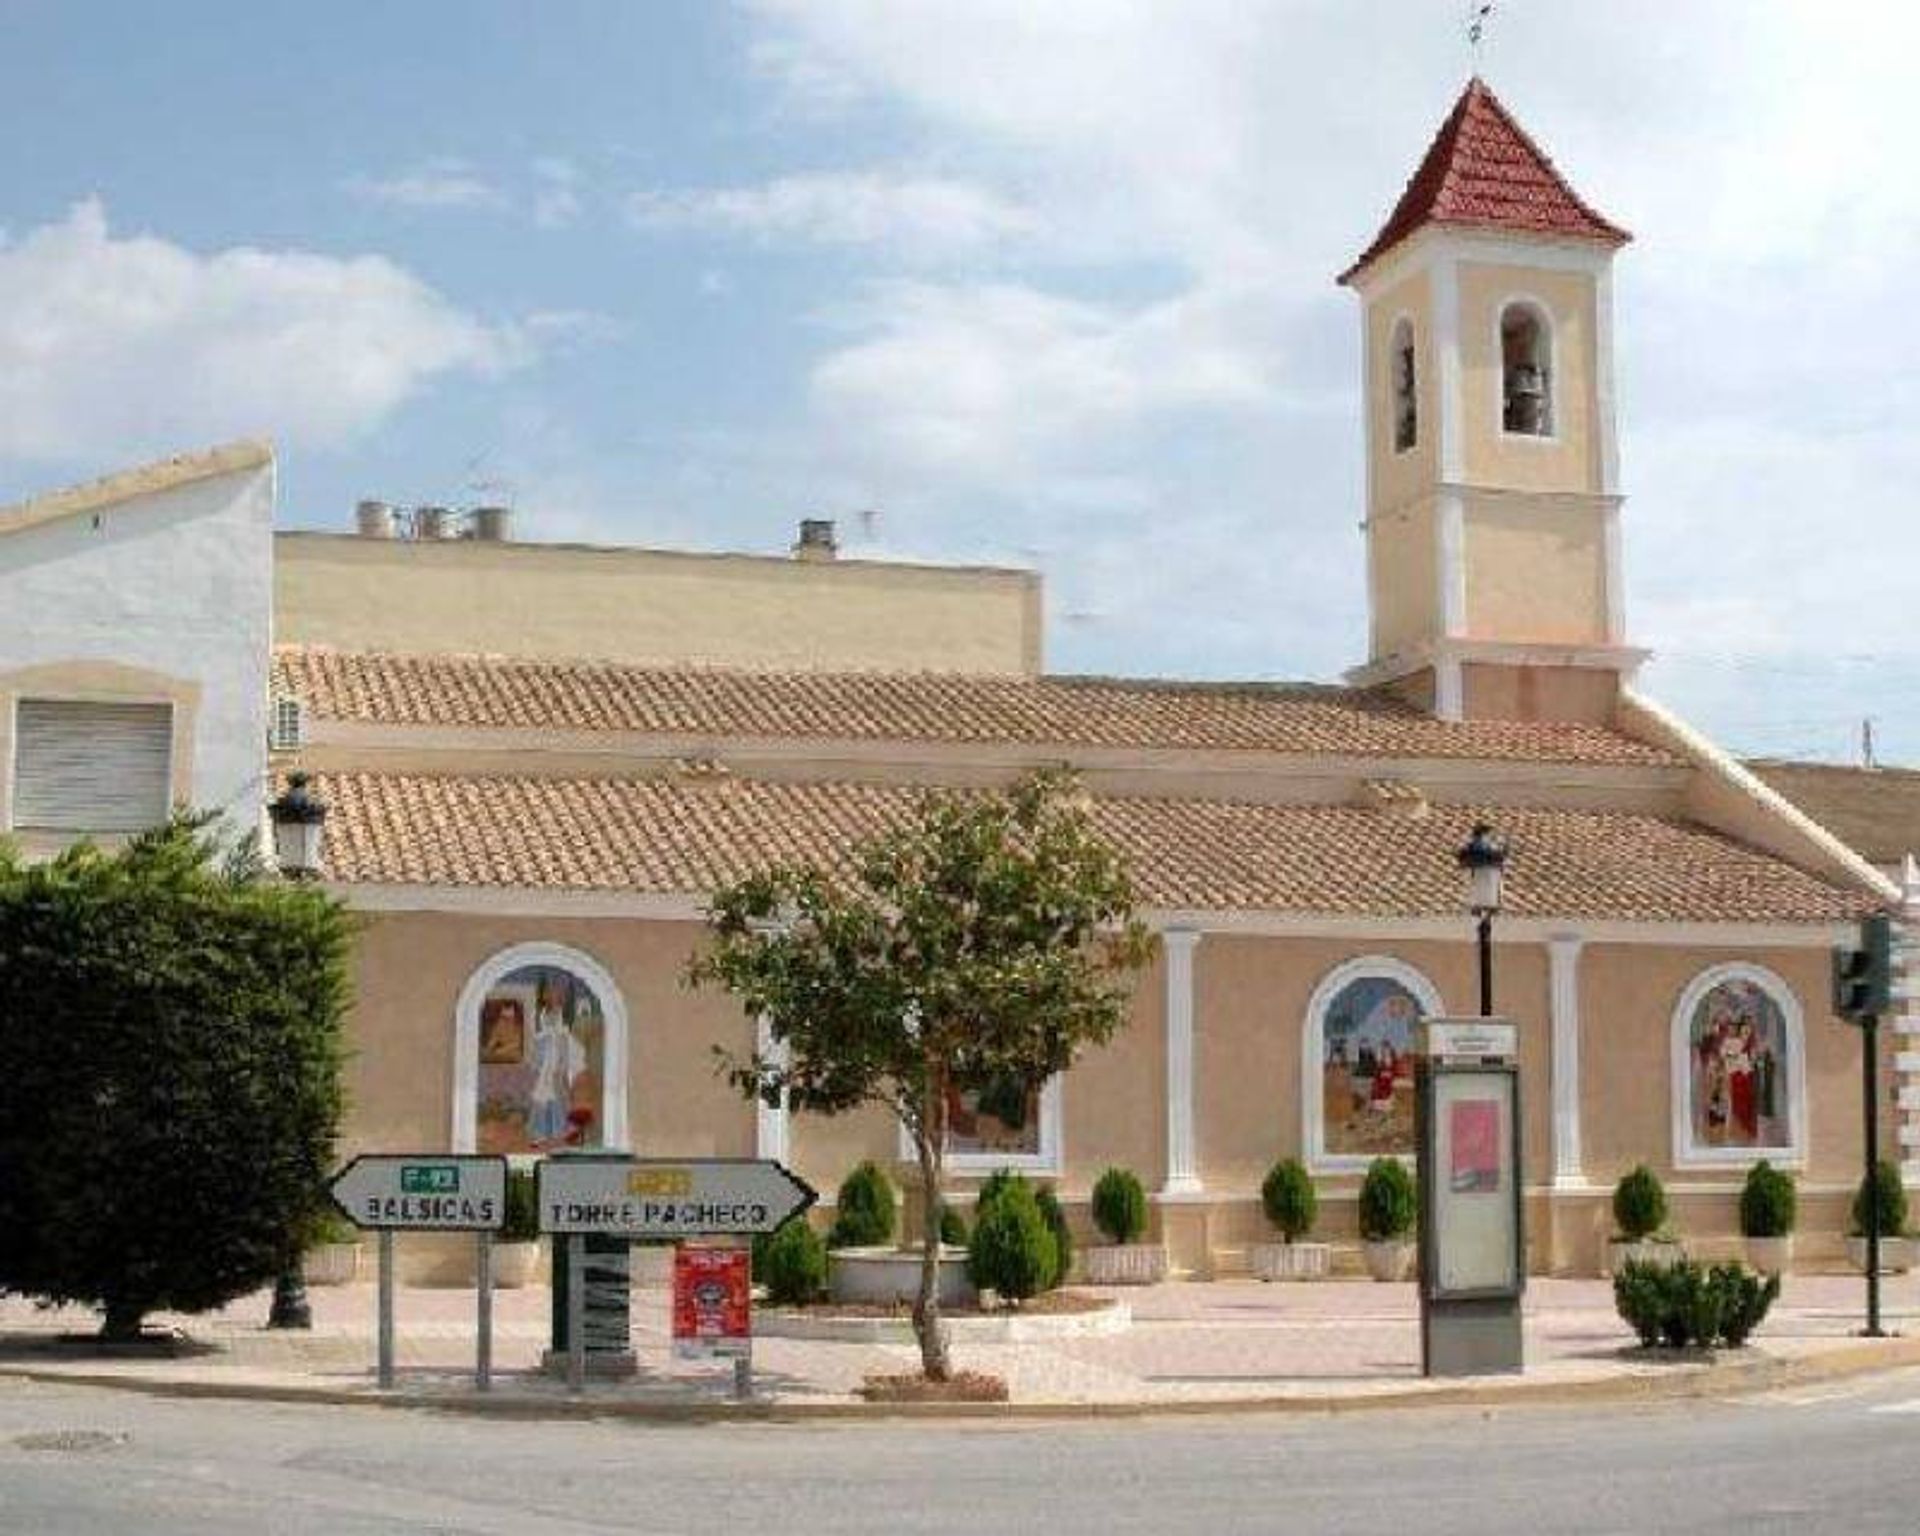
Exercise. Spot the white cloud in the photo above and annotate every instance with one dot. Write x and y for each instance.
(113, 346)
(436, 184)
(556, 194)
(903, 214)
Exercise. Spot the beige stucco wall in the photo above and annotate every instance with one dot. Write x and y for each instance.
(1568, 461)
(1404, 574)
(1251, 997)
(652, 606)
(1536, 570)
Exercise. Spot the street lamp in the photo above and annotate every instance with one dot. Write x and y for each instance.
(1483, 858)
(299, 823)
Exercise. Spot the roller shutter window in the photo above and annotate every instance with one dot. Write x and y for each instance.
(81, 766)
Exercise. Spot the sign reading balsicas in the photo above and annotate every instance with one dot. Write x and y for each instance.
(669, 1197)
(398, 1192)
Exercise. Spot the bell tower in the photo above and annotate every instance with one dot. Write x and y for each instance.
(1493, 501)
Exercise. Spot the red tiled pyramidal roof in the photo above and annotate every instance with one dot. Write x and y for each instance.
(1483, 171)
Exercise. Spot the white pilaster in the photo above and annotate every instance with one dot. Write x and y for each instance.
(1183, 1176)
(1563, 1008)
(1906, 1032)
(1603, 411)
(770, 1123)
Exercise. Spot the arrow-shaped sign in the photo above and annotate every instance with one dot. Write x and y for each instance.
(669, 1197)
(422, 1192)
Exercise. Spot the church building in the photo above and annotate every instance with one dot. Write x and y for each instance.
(540, 759)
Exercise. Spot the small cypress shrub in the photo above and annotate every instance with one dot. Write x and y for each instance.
(991, 1188)
(1885, 1191)
(1388, 1201)
(1768, 1207)
(1639, 1205)
(864, 1210)
(1012, 1252)
(1120, 1205)
(1693, 1306)
(1288, 1197)
(953, 1227)
(1055, 1215)
(523, 1208)
(792, 1264)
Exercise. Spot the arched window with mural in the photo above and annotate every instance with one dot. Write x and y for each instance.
(1357, 1063)
(540, 1050)
(1739, 1089)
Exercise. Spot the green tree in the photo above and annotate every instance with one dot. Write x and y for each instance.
(992, 936)
(168, 1114)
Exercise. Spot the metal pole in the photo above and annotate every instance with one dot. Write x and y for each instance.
(743, 1363)
(1486, 965)
(483, 1323)
(576, 1312)
(386, 1307)
(1870, 1033)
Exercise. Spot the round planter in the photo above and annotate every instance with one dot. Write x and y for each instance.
(514, 1264)
(1650, 1250)
(1291, 1261)
(1771, 1255)
(1125, 1263)
(887, 1276)
(1391, 1260)
(1896, 1254)
(331, 1263)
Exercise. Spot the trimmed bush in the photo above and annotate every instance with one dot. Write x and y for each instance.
(991, 1188)
(523, 1208)
(1055, 1216)
(792, 1264)
(1389, 1202)
(1886, 1191)
(167, 1115)
(1288, 1198)
(953, 1227)
(1639, 1205)
(1120, 1205)
(864, 1211)
(1012, 1252)
(1768, 1206)
(1688, 1305)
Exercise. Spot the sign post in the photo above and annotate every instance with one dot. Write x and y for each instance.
(671, 1199)
(389, 1192)
(713, 1309)
(1472, 1233)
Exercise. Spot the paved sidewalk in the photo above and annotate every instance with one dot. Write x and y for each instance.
(1195, 1344)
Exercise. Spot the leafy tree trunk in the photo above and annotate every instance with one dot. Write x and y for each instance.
(120, 1320)
(931, 1143)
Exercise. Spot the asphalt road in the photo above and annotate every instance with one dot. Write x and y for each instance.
(1844, 1459)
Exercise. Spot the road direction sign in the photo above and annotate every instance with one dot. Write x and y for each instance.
(669, 1197)
(422, 1192)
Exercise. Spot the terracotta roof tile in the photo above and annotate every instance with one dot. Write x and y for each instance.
(660, 836)
(1483, 170)
(502, 693)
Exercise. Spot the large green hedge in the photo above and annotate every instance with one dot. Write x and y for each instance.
(172, 1093)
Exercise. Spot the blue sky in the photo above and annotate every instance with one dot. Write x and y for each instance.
(1041, 285)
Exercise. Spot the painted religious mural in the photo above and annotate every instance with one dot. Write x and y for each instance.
(1737, 1068)
(1003, 1117)
(542, 1044)
(1367, 1043)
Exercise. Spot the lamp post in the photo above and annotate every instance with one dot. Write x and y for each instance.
(299, 824)
(1484, 858)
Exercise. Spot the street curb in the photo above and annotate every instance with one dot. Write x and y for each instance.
(1679, 1383)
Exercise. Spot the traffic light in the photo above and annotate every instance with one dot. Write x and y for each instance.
(1863, 977)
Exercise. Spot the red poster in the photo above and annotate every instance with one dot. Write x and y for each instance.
(1474, 1136)
(712, 1302)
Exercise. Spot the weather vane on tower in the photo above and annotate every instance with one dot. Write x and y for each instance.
(1477, 13)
